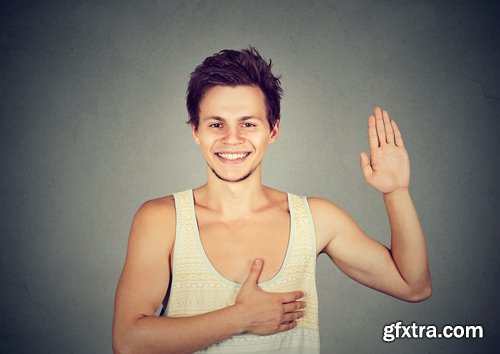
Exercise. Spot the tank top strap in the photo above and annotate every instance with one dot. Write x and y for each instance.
(183, 208)
(302, 219)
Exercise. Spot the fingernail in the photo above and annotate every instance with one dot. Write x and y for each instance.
(257, 261)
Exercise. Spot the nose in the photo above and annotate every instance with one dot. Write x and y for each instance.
(233, 136)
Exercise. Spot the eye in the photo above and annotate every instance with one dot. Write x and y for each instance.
(215, 125)
(248, 125)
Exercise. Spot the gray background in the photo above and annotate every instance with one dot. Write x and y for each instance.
(92, 124)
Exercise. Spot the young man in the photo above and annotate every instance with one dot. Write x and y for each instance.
(234, 259)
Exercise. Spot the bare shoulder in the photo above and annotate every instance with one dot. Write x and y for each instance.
(323, 208)
(154, 221)
(329, 219)
(157, 209)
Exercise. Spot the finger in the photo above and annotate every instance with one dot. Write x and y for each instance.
(255, 270)
(291, 296)
(379, 124)
(398, 139)
(372, 134)
(389, 134)
(292, 316)
(294, 306)
(287, 326)
(366, 168)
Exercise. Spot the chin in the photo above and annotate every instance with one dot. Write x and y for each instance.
(232, 179)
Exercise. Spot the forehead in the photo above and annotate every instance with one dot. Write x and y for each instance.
(233, 101)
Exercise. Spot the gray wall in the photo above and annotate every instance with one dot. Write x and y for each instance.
(92, 124)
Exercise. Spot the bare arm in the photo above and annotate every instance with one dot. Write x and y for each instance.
(401, 271)
(143, 284)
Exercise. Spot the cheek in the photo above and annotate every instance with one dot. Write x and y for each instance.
(263, 139)
(206, 146)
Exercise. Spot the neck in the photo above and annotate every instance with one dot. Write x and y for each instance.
(232, 200)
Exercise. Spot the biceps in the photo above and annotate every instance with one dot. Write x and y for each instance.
(367, 261)
(143, 282)
(141, 289)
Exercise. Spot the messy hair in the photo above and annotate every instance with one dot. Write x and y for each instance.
(234, 68)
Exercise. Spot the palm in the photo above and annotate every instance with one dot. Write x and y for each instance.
(389, 166)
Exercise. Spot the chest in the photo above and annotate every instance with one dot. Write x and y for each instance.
(231, 246)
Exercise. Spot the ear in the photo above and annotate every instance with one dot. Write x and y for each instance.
(275, 132)
(194, 134)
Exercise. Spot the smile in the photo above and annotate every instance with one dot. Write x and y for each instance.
(232, 156)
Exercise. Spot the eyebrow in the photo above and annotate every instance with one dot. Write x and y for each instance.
(220, 119)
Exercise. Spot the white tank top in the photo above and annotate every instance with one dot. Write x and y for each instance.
(197, 287)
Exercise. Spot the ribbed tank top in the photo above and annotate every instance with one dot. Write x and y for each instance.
(197, 287)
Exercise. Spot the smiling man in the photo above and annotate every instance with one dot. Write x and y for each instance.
(234, 260)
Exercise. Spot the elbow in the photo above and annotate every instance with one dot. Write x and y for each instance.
(420, 294)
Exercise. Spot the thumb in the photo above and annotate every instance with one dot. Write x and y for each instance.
(364, 163)
(255, 271)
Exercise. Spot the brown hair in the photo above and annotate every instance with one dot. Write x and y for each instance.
(233, 68)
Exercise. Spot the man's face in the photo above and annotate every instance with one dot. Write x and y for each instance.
(233, 131)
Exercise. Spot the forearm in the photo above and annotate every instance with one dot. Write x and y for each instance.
(152, 334)
(407, 241)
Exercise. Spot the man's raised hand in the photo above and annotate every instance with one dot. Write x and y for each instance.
(267, 313)
(388, 168)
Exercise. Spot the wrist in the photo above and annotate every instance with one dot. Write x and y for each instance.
(397, 194)
(238, 318)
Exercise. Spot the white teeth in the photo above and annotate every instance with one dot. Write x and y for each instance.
(232, 156)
